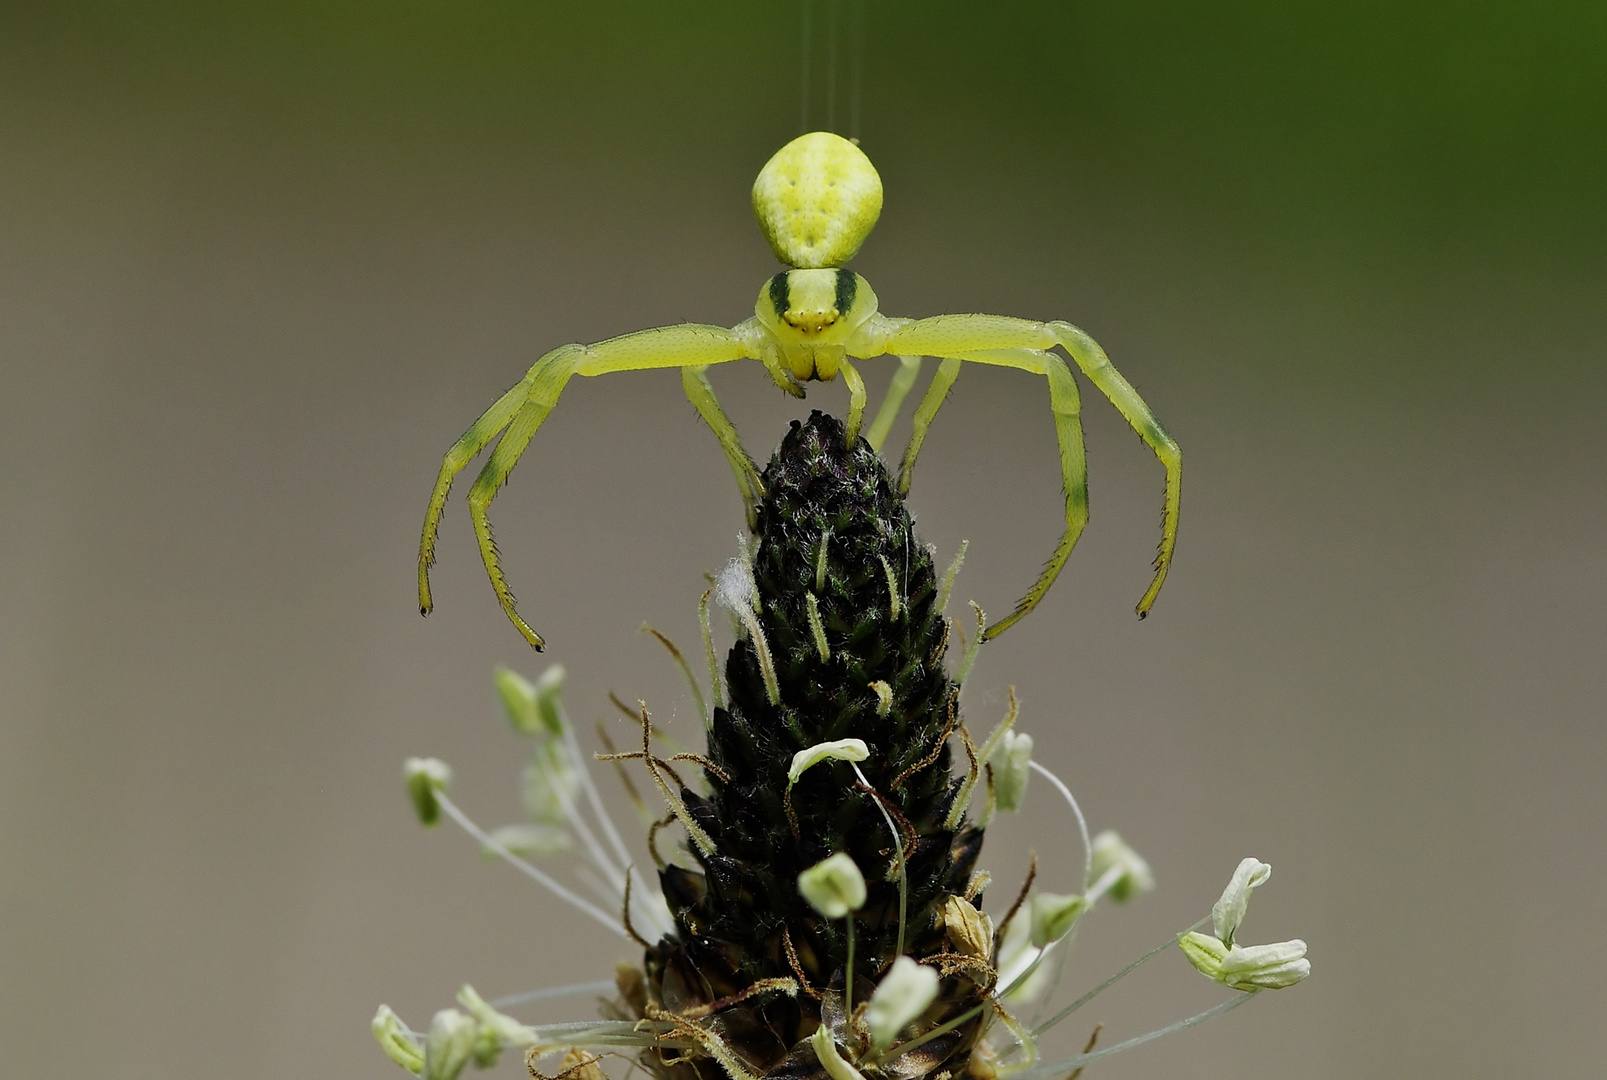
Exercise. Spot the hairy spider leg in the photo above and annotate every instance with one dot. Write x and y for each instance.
(492, 421)
(700, 392)
(1093, 362)
(937, 392)
(1024, 344)
(909, 369)
(1066, 406)
(547, 380)
(520, 412)
(856, 399)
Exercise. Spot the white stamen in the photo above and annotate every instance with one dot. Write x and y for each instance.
(1060, 1068)
(1082, 822)
(602, 986)
(903, 994)
(1112, 981)
(658, 915)
(836, 750)
(898, 847)
(531, 872)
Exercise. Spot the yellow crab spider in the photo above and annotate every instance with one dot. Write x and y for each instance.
(816, 200)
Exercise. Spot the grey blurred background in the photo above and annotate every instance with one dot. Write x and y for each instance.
(260, 264)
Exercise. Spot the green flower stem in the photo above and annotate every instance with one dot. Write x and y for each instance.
(1082, 823)
(538, 876)
(1113, 980)
(898, 846)
(602, 986)
(1059, 1068)
(848, 982)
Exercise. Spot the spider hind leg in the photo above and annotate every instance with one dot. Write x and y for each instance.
(1023, 344)
(521, 411)
(547, 381)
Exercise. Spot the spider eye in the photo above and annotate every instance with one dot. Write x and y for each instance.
(812, 300)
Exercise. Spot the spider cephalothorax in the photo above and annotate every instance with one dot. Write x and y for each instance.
(817, 200)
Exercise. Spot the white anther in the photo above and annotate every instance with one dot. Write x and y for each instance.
(532, 707)
(903, 994)
(425, 777)
(834, 886)
(399, 1044)
(836, 750)
(1247, 967)
(1012, 766)
(1118, 871)
(1053, 916)
(1229, 911)
(449, 1045)
(836, 1066)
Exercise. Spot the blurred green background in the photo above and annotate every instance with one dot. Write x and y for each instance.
(260, 264)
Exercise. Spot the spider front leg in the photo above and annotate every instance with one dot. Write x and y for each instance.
(1020, 343)
(909, 369)
(519, 413)
(492, 421)
(937, 392)
(700, 392)
(856, 400)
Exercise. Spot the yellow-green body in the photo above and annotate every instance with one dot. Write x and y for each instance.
(816, 201)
